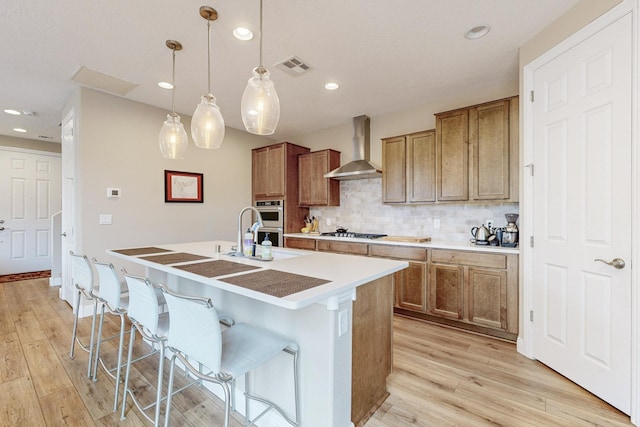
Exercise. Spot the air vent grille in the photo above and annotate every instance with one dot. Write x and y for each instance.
(294, 66)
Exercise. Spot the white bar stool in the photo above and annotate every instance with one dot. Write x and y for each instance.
(83, 281)
(114, 295)
(145, 316)
(195, 333)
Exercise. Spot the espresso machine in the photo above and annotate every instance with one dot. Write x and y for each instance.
(510, 232)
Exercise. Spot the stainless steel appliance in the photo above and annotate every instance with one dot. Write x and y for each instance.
(272, 212)
(510, 233)
(275, 235)
(352, 235)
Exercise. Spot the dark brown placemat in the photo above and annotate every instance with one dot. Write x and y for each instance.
(173, 258)
(276, 283)
(216, 268)
(141, 251)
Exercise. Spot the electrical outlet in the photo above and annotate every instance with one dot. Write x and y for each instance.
(343, 322)
(436, 223)
(488, 223)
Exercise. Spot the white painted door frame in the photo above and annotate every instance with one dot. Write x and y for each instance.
(525, 339)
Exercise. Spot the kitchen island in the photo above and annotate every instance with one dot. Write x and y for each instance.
(338, 308)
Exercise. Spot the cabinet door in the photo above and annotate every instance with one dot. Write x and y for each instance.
(313, 188)
(260, 165)
(300, 243)
(394, 163)
(446, 291)
(452, 146)
(489, 141)
(275, 171)
(488, 297)
(421, 166)
(411, 287)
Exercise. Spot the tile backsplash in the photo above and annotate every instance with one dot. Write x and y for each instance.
(361, 210)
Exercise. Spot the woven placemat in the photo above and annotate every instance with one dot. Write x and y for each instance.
(276, 283)
(173, 258)
(216, 268)
(141, 251)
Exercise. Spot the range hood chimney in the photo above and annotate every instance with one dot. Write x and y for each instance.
(360, 167)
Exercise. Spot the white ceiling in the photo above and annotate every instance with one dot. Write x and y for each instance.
(386, 55)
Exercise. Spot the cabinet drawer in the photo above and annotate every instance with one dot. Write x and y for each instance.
(343, 247)
(476, 259)
(401, 252)
(297, 243)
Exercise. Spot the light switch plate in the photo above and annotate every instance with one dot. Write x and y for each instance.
(105, 219)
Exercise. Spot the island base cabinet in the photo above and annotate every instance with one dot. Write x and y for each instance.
(372, 348)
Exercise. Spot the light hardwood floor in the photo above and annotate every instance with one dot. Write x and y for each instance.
(441, 377)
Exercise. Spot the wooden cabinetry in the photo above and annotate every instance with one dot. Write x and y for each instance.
(472, 290)
(410, 284)
(476, 289)
(275, 176)
(409, 171)
(313, 188)
(477, 152)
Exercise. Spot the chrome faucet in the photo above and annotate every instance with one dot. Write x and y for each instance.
(256, 225)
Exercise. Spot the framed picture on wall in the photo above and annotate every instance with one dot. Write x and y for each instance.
(182, 187)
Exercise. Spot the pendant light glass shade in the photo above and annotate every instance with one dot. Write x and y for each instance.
(207, 124)
(260, 106)
(173, 138)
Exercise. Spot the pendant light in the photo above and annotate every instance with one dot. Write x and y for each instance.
(207, 124)
(260, 105)
(173, 138)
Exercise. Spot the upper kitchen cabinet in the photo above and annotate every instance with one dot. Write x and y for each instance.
(477, 152)
(275, 172)
(313, 188)
(409, 172)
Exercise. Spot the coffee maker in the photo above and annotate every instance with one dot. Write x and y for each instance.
(510, 233)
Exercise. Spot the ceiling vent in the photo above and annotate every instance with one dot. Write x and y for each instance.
(294, 66)
(101, 81)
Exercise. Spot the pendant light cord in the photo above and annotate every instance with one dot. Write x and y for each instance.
(209, 55)
(261, 34)
(173, 83)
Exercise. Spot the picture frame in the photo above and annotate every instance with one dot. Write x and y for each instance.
(183, 187)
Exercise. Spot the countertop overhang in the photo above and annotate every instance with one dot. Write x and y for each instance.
(344, 273)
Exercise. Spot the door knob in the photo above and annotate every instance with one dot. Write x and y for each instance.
(1, 221)
(63, 234)
(1, 228)
(616, 262)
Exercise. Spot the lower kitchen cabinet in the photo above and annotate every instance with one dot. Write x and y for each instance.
(410, 284)
(477, 290)
(446, 290)
(472, 290)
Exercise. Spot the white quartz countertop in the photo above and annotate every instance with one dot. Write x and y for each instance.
(344, 272)
(427, 245)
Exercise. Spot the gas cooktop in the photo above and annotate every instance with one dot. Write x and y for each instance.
(354, 235)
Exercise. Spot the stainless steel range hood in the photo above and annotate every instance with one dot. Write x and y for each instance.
(360, 167)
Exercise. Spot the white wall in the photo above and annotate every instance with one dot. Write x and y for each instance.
(118, 147)
(30, 144)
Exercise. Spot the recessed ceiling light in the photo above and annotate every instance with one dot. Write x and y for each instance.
(242, 33)
(477, 32)
(165, 85)
(331, 86)
(19, 130)
(13, 112)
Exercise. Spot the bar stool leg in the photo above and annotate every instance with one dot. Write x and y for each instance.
(93, 329)
(95, 363)
(126, 375)
(75, 327)
(118, 375)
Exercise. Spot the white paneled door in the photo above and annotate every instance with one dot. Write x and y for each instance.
(30, 194)
(582, 213)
